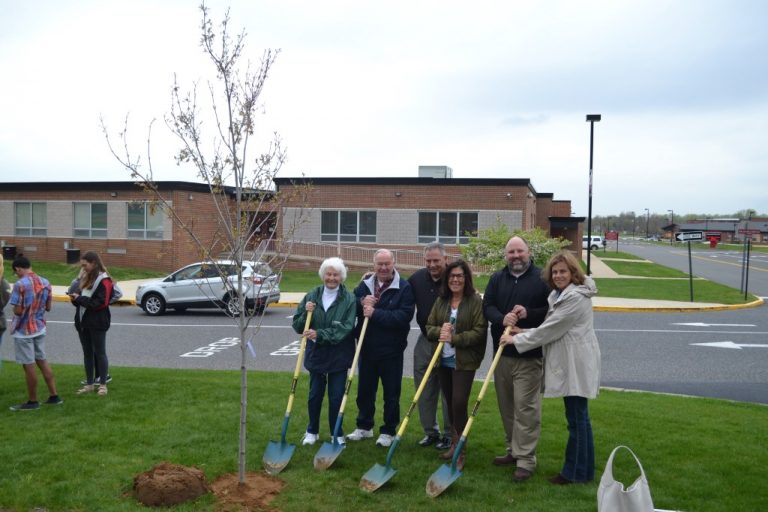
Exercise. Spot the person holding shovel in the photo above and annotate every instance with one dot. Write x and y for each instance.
(571, 359)
(457, 320)
(330, 344)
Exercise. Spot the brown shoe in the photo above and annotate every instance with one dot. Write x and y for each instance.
(559, 479)
(504, 460)
(449, 454)
(460, 461)
(521, 475)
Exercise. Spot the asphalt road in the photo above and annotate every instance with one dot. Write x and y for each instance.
(645, 351)
(724, 267)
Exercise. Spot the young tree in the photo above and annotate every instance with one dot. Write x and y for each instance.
(487, 248)
(241, 186)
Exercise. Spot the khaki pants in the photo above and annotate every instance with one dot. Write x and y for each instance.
(518, 389)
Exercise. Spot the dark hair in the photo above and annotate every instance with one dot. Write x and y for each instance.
(469, 288)
(21, 261)
(90, 277)
(577, 275)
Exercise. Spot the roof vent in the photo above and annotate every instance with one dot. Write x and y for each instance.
(435, 171)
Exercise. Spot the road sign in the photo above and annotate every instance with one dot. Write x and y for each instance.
(689, 236)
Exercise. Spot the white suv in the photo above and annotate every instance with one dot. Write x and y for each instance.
(596, 243)
(200, 285)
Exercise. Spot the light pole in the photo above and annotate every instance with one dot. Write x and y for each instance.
(671, 226)
(591, 119)
(647, 219)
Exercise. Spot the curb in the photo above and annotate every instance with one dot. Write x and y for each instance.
(724, 307)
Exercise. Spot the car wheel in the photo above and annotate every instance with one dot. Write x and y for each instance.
(153, 304)
(594, 247)
(232, 305)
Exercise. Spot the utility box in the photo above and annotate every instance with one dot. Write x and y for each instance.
(9, 252)
(73, 256)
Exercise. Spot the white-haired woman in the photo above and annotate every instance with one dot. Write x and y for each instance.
(330, 343)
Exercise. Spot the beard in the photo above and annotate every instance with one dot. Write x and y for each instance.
(517, 266)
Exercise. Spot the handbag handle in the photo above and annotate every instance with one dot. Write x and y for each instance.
(609, 464)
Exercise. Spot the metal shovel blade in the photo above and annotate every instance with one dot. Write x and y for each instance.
(441, 479)
(327, 454)
(277, 456)
(377, 476)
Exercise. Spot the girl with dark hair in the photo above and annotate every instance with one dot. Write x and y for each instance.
(457, 320)
(93, 300)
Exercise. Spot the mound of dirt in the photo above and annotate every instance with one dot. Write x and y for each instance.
(256, 493)
(169, 484)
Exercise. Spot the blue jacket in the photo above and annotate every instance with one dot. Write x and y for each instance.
(334, 348)
(388, 328)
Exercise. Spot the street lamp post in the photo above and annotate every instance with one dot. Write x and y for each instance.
(591, 119)
(671, 226)
(647, 219)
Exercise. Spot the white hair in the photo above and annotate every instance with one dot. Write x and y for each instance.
(334, 263)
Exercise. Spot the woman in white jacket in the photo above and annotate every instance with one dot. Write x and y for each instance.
(571, 359)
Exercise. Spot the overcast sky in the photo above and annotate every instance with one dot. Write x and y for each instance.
(491, 89)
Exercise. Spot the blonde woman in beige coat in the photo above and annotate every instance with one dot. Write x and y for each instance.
(571, 359)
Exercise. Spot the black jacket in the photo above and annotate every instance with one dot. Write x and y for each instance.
(96, 314)
(503, 292)
(387, 334)
(425, 291)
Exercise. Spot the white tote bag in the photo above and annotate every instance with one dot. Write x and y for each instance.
(613, 497)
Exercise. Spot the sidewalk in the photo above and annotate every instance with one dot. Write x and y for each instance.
(597, 267)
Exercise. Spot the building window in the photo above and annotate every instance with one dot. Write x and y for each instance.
(90, 220)
(31, 219)
(348, 226)
(447, 227)
(145, 221)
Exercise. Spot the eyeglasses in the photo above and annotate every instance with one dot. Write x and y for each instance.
(456, 277)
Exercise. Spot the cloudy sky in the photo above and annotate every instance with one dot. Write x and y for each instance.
(491, 89)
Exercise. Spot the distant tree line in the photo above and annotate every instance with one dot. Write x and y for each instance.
(636, 223)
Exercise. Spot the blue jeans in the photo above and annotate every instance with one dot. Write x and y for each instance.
(317, 381)
(579, 463)
(390, 371)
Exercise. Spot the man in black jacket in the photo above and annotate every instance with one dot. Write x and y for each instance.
(516, 295)
(386, 300)
(426, 284)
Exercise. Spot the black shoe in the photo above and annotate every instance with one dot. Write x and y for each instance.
(54, 400)
(444, 443)
(96, 381)
(429, 440)
(26, 406)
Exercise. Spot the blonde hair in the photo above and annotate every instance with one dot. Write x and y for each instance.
(570, 261)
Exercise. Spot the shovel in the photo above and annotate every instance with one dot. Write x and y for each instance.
(445, 474)
(327, 453)
(278, 455)
(378, 475)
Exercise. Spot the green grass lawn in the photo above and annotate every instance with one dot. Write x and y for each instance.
(83, 455)
(616, 254)
(667, 289)
(63, 274)
(642, 269)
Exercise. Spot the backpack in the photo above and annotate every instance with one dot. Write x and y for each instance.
(116, 293)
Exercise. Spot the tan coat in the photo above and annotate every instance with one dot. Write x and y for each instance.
(571, 350)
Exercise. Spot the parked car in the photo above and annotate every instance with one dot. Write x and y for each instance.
(596, 243)
(200, 285)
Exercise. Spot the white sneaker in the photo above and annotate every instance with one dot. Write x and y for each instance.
(339, 440)
(309, 439)
(385, 440)
(360, 434)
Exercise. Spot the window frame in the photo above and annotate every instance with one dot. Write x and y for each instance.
(445, 226)
(364, 220)
(90, 231)
(146, 233)
(37, 226)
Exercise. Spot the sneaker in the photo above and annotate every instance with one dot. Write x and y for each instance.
(385, 440)
(429, 440)
(109, 379)
(360, 434)
(102, 390)
(26, 406)
(339, 440)
(54, 400)
(444, 443)
(88, 388)
(309, 438)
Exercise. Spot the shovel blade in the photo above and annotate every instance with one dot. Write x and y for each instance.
(327, 454)
(441, 479)
(377, 476)
(277, 456)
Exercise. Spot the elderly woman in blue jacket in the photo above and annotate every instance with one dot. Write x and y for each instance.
(330, 343)
(571, 359)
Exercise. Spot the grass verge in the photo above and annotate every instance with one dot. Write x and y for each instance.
(642, 269)
(665, 289)
(62, 273)
(616, 255)
(84, 454)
